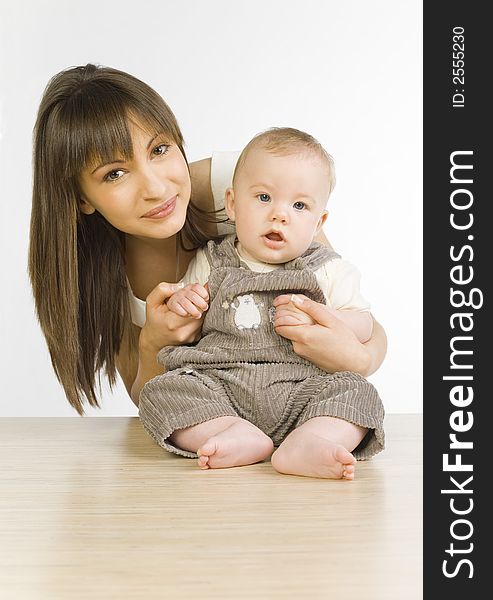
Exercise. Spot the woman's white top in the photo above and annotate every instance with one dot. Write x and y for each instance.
(222, 168)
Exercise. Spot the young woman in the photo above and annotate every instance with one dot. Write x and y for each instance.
(112, 219)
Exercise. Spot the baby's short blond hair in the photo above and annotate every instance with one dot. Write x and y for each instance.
(285, 141)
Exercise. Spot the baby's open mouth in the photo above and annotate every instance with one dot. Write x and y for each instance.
(274, 236)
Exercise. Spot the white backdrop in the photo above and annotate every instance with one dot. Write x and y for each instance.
(347, 72)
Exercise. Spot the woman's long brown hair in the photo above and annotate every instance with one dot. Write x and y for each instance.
(77, 261)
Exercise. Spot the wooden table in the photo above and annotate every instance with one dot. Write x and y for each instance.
(93, 508)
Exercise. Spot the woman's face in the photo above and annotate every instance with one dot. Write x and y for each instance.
(146, 196)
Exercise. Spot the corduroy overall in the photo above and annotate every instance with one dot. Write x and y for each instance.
(242, 367)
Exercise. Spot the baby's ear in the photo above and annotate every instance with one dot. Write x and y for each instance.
(322, 220)
(229, 203)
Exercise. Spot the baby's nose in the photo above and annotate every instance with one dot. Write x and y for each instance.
(279, 214)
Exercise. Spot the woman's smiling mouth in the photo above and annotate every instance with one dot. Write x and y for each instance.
(161, 211)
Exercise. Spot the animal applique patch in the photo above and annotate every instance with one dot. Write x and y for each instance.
(247, 313)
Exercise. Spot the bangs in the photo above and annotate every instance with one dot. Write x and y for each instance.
(93, 127)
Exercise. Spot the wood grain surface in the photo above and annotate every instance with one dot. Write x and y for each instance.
(92, 508)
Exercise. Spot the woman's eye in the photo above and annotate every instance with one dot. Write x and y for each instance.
(263, 197)
(161, 149)
(299, 205)
(113, 175)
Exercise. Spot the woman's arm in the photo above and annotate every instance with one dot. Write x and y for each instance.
(360, 322)
(137, 362)
(376, 346)
(127, 360)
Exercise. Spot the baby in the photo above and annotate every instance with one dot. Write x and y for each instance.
(242, 391)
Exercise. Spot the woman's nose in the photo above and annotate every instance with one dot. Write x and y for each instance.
(152, 184)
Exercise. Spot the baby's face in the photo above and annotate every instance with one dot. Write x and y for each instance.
(278, 204)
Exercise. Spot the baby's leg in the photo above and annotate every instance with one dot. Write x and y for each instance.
(320, 447)
(224, 442)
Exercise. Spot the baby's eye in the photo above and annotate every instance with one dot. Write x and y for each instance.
(299, 205)
(161, 150)
(263, 197)
(113, 175)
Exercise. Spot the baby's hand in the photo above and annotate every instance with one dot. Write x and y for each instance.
(287, 313)
(189, 301)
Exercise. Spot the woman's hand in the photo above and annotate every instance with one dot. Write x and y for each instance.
(164, 327)
(288, 313)
(329, 343)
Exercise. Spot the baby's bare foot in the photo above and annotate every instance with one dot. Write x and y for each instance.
(313, 456)
(240, 444)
